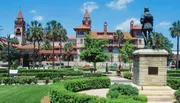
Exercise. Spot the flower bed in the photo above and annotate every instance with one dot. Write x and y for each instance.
(64, 92)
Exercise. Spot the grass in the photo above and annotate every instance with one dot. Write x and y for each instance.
(23, 93)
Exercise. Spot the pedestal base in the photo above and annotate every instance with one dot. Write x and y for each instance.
(150, 67)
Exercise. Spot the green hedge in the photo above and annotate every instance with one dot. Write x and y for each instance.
(173, 83)
(89, 83)
(173, 71)
(127, 75)
(10, 81)
(62, 92)
(177, 95)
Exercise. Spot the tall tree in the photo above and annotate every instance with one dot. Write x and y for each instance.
(162, 42)
(119, 35)
(35, 32)
(126, 52)
(93, 50)
(46, 45)
(175, 32)
(56, 32)
(68, 47)
(15, 41)
(1, 46)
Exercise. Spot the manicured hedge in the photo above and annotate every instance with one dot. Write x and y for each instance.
(127, 75)
(62, 92)
(10, 81)
(173, 83)
(177, 95)
(173, 71)
(89, 83)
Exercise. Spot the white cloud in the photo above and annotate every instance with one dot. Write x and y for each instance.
(90, 6)
(33, 12)
(119, 4)
(125, 26)
(38, 18)
(164, 24)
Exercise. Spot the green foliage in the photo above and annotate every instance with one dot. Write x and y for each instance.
(14, 41)
(127, 90)
(46, 45)
(126, 52)
(177, 95)
(68, 48)
(93, 50)
(119, 35)
(14, 64)
(173, 83)
(140, 97)
(173, 71)
(60, 94)
(127, 75)
(89, 83)
(162, 42)
(113, 94)
(13, 55)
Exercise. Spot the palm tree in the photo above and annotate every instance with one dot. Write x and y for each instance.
(1, 46)
(175, 32)
(56, 32)
(119, 35)
(68, 48)
(46, 45)
(15, 41)
(35, 32)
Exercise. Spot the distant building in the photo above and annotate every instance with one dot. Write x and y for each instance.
(112, 48)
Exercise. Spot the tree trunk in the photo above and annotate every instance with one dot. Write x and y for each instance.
(68, 60)
(94, 65)
(177, 62)
(60, 53)
(53, 53)
(39, 54)
(34, 55)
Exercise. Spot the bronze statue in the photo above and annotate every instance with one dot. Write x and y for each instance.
(147, 27)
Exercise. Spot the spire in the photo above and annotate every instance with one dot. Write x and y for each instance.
(19, 15)
(86, 15)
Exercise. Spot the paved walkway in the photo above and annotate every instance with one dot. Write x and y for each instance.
(104, 91)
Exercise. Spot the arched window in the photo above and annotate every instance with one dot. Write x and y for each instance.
(81, 40)
(140, 42)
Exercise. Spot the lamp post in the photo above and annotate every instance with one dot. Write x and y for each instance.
(8, 40)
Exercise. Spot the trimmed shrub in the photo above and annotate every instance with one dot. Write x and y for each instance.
(47, 80)
(97, 74)
(127, 75)
(140, 97)
(173, 71)
(177, 95)
(59, 94)
(88, 83)
(173, 83)
(112, 69)
(127, 90)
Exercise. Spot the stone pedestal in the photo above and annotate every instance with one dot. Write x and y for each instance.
(150, 67)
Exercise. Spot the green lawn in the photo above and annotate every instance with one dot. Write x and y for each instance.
(23, 93)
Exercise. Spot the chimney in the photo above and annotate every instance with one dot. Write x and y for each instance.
(105, 28)
(131, 25)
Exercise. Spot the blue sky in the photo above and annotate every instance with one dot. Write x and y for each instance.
(117, 13)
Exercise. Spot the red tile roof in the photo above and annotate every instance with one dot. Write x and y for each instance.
(127, 35)
(22, 47)
(72, 37)
(82, 27)
(137, 27)
(55, 52)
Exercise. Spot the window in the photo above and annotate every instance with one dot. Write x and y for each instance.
(81, 41)
(140, 42)
(110, 49)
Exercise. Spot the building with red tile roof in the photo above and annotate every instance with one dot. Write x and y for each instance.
(78, 40)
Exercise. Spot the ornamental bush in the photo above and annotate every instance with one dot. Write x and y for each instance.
(173, 83)
(60, 94)
(127, 90)
(177, 95)
(127, 75)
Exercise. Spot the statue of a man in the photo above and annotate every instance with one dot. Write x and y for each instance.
(147, 27)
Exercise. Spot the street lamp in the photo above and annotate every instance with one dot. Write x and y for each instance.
(8, 40)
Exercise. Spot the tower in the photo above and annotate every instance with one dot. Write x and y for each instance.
(19, 27)
(86, 20)
(105, 28)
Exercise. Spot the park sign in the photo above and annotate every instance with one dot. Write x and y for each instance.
(13, 73)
